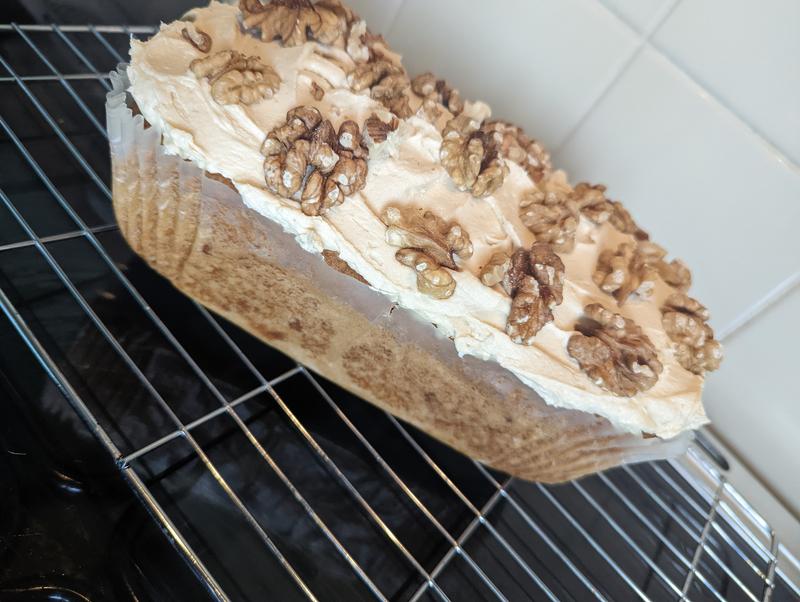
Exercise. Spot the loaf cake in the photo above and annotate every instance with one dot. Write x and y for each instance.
(278, 164)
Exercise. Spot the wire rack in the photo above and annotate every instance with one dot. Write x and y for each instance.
(273, 483)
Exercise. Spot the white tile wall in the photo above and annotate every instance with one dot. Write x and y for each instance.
(380, 14)
(754, 399)
(510, 54)
(690, 111)
(746, 53)
(639, 14)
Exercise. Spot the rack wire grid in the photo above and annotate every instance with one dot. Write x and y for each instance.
(273, 483)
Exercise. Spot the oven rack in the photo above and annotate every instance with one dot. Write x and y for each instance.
(672, 530)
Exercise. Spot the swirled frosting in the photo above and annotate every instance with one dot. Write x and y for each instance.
(404, 170)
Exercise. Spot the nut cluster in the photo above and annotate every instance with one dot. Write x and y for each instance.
(308, 161)
(429, 245)
(535, 281)
(632, 268)
(614, 352)
(626, 271)
(550, 212)
(685, 322)
(593, 203)
(435, 93)
(517, 147)
(295, 22)
(235, 78)
(377, 130)
(387, 82)
(470, 153)
(197, 38)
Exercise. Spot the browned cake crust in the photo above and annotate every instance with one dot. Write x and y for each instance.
(199, 234)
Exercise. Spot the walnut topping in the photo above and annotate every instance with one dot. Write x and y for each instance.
(470, 154)
(614, 352)
(517, 147)
(592, 203)
(535, 281)
(295, 22)
(550, 213)
(432, 279)
(437, 91)
(307, 161)
(378, 130)
(199, 39)
(236, 78)
(632, 269)
(676, 274)
(495, 270)
(340, 265)
(625, 272)
(387, 82)
(427, 232)
(316, 91)
(685, 322)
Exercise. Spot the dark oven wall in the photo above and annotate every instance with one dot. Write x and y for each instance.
(140, 12)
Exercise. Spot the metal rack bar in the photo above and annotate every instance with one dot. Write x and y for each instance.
(698, 553)
(57, 237)
(81, 55)
(657, 533)
(682, 523)
(101, 38)
(416, 501)
(136, 29)
(480, 516)
(53, 78)
(625, 537)
(134, 368)
(57, 377)
(462, 540)
(70, 90)
(578, 527)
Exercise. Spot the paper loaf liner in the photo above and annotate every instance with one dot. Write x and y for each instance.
(198, 233)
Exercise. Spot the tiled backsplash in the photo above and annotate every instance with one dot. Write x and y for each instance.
(689, 110)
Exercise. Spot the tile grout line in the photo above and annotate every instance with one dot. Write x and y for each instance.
(778, 153)
(643, 42)
(773, 297)
(390, 25)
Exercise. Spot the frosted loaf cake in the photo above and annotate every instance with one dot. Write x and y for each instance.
(288, 173)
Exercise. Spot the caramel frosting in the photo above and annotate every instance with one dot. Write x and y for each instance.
(405, 170)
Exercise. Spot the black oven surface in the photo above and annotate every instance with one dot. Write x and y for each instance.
(151, 451)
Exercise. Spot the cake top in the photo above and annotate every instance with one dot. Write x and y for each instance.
(452, 215)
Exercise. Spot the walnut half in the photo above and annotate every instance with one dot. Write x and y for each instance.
(432, 279)
(387, 82)
(295, 22)
(426, 231)
(628, 270)
(535, 281)
(525, 152)
(614, 352)
(471, 155)
(436, 91)
(308, 161)
(685, 322)
(236, 78)
(632, 268)
(550, 212)
(429, 245)
(593, 203)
